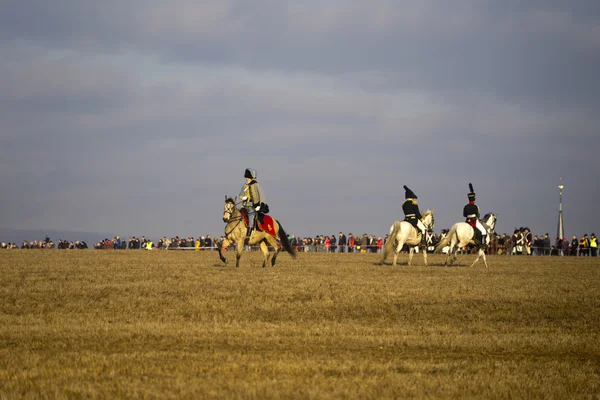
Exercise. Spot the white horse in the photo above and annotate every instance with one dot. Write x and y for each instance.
(402, 232)
(462, 234)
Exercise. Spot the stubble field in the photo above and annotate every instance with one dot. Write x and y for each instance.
(168, 324)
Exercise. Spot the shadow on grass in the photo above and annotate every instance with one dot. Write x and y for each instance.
(429, 265)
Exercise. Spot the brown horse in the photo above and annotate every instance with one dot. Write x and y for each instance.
(235, 232)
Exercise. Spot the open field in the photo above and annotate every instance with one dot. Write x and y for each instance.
(116, 324)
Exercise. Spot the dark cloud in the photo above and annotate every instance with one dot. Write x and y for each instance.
(116, 111)
(533, 52)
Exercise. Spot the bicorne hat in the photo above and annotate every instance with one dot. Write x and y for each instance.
(409, 193)
(250, 173)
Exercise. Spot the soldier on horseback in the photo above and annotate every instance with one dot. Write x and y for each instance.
(253, 199)
(471, 213)
(412, 215)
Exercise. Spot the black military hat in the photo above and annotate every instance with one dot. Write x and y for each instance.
(409, 193)
(250, 173)
(471, 194)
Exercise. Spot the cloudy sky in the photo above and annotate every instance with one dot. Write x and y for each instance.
(138, 117)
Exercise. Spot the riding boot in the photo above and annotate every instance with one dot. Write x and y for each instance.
(248, 234)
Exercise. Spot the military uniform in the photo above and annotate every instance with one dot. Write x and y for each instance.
(253, 199)
(412, 214)
(471, 213)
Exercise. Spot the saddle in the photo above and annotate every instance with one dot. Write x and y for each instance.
(415, 223)
(264, 223)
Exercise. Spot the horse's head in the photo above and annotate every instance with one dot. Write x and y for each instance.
(428, 219)
(490, 221)
(228, 208)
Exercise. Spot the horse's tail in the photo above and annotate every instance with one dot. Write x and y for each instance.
(389, 243)
(285, 242)
(444, 242)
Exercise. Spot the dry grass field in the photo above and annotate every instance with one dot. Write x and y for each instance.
(166, 324)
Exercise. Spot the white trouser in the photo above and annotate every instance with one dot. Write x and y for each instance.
(251, 214)
(480, 227)
(421, 226)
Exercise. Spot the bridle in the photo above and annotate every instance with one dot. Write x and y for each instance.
(229, 207)
(490, 223)
(429, 225)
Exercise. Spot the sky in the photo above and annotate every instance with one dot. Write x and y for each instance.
(138, 117)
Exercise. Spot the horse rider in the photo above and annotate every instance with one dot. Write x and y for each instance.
(253, 199)
(471, 213)
(412, 215)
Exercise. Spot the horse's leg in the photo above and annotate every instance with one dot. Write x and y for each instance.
(238, 255)
(396, 251)
(452, 252)
(384, 256)
(410, 255)
(482, 253)
(273, 242)
(454, 258)
(425, 255)
(265, 250)
(449, 254)
(226, 242)
(479, 253)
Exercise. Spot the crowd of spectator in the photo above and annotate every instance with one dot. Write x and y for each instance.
(521, 242)
(45, 244)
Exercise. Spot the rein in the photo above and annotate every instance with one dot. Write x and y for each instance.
(233, 219)
(430, 225)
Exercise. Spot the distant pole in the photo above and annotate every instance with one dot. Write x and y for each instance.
(560, 234)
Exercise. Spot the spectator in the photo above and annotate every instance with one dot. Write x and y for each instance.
(593, 245)
(308, 244)
(574, 245)
(327, 243)
(364, 243)
(559, 246)
(341, 242)
(371, 248)
(584, 246)
(565, 248)
(537, 246)
(546, 244)
(351, 243)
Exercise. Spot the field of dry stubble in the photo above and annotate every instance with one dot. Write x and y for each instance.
(167, 324)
